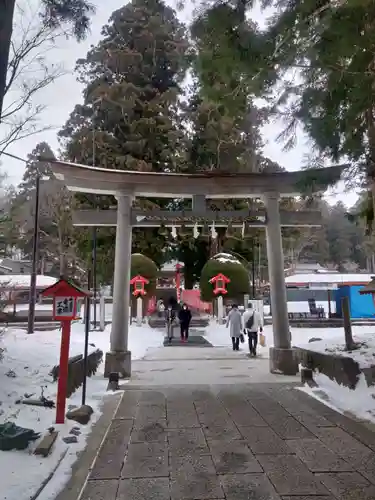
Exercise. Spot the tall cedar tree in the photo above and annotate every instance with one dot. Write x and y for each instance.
(223, 136)
(330, 48)
(132, 83)
(54, 14)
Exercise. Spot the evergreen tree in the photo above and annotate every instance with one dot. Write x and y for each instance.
(330, 47)
(36, 167)
(132, 83)
(222, 137)
(54, 13)
(56, 234)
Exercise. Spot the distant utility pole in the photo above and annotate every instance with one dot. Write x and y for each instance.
(34, 266)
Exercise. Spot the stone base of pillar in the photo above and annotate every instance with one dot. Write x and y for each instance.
(283, 361)
(118, 362)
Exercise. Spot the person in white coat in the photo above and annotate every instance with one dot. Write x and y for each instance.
(234, 322)
(252, 323)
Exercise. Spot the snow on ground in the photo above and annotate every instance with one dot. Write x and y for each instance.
(359, 402)
(31, 358)
(335, 343)
(218, 335)
(23, 280)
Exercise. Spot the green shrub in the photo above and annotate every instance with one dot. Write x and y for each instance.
(144, 266)
(232, 269)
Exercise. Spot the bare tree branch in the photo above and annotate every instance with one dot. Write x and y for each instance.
(29, 72)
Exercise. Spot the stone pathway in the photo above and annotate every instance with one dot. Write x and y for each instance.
(234, 442)
(196, 365)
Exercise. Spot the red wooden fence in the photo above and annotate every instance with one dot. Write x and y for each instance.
(193, 299)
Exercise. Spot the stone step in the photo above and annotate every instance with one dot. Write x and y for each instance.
(195, 323)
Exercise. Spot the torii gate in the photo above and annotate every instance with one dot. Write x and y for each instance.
(126, 185)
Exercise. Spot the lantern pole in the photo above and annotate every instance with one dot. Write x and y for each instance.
(63, 371)
(94, 259)
(87, 333)
(178, 282)
(253, 268)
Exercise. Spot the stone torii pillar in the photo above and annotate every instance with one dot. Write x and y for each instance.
(118, 359)
(282, 357)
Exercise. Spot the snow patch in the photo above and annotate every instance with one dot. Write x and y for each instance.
(31, 358)
(23, 280)
(226, 258)
(335, 344)
(359, 402)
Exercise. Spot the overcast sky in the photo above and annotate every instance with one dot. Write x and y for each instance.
(61, 96)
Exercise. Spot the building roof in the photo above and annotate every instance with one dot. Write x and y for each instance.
(23, 281)
(328, 278)
(170, 266)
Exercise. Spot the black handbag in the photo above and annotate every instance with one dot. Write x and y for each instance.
(242, 338)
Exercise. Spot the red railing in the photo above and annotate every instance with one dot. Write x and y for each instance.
(151, 306)
(193, 300)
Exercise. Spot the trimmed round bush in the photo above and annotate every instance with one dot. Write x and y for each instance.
(144, 266)
(233, 269)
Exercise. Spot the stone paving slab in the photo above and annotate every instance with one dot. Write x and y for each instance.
(263, 442)
(248, 487)
(146, 460)
(143, 489)
(347, 447)
(348, 486)
(187, 441)
(289, 428)
(318, 457)
(108, 463)
(308, 498)
(290, 476)
(100, 490)
(149, 433)
(234, 458)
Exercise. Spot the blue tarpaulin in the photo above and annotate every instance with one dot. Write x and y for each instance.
(361, 306)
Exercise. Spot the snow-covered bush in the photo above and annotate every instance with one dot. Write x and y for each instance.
(232, 268)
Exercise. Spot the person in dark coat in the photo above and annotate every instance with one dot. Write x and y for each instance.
(170, 317)
(185, 318)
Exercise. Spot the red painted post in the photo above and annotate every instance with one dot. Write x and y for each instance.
(178, 283)
(63, 372)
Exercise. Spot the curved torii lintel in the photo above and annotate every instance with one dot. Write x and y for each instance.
(87, 179)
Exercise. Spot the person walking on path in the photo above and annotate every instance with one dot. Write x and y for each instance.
(170, 317)
(252, 322)
(234, 321)
(184, 316)
(161, 308)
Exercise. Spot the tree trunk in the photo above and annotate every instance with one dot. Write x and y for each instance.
(6, 28)
(188, 277)
(62, 265)
(371, 166)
